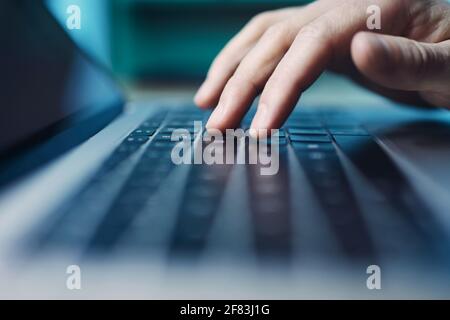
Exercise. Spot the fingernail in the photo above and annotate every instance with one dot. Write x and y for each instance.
(202, 93)
(261, 119)
(215, 117)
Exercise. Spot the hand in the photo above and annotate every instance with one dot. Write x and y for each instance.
(281, 53)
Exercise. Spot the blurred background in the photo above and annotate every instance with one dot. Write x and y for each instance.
(163, 48)
(160, 40)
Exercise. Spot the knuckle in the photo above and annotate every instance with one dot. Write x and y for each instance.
(278, 31)
(273, 85)
(243, 83)
(234, 84)
(312, 31)
(261, 19)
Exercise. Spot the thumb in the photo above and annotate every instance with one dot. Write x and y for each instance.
(403, 64)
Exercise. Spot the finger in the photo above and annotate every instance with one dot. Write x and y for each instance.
(400, 96)
(403, 64)
(226, 63)
(297, 69)
(250, 76)
(255, 69)
(229, 58)
(305, 60)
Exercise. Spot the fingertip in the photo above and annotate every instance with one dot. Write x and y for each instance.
(264, 122)
(261, 120)
(201, 98)
(216, 119)
(201, 104)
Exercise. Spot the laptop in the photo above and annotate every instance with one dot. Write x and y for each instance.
(358, 207)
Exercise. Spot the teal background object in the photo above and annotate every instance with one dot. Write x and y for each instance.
(160, 40)
(176, 40)
(94, 36)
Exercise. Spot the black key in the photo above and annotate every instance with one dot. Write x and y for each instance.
(310, 138)
(270, 140)
(308, 131)
(143, 132)
(305, 125)
(348, 131)
(270, 205)
(312, 146)
(180, 123)
(341, 121)
(136, 140)
(163, 137)
(172, 129)
(280, 141)
(163, 144)
(198, 209)
(126, 149)
(179, 138)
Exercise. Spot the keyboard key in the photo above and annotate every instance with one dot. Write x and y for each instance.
(172, 129)
(150, 124)
(166, 144)
(269, 141)
(309, 131)
(163, 137)
(126, 149)
(319, 155)
(142, 131)
(180, 123)
(305, 125)
(310, 138)
(312, 146)
(348, 131)
(340, 121)
(136, 139)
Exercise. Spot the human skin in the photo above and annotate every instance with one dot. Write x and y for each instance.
(280, 53)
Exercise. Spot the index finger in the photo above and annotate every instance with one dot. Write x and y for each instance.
(225, 64)
(305, 60)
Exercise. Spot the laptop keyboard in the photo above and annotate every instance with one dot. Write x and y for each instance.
(110, 207)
